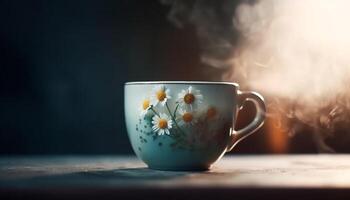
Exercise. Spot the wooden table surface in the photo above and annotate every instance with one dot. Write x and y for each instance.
(233, 177)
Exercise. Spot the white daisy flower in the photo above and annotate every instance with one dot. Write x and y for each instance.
(160, 94)
(145, 105)
(190, 98)
(185, 117)
(162, 124)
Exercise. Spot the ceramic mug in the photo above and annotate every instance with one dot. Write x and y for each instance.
(186, 125)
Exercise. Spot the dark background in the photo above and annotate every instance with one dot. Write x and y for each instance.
(63, 65)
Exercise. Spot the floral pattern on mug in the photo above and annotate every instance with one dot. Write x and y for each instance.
(188, 120)
(190, 98)
(162, 124)
(185, 118)
(144, 106)
(160, 95)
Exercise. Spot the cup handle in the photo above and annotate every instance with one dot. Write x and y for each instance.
(258, 100)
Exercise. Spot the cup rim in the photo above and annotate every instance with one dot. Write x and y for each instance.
(182, 82)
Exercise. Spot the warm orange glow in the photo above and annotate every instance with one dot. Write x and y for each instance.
(277, 138)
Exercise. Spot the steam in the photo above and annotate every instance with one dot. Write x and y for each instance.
(295, 49)
(297, 53)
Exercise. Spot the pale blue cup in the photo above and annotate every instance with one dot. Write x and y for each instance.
(186, 125)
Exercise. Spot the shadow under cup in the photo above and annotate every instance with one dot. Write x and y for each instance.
(180, 125)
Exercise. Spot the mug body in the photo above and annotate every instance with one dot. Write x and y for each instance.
(175, 125)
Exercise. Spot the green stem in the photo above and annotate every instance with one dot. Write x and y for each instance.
(177, 106)
(151, 108)
(173, 118)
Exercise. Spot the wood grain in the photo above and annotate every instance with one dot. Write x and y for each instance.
(293, 174)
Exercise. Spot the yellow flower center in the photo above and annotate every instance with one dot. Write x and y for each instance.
(187, 117)
(211, 113)
(189, 98)
(161, 95)
(163, 124)
(145, 104)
